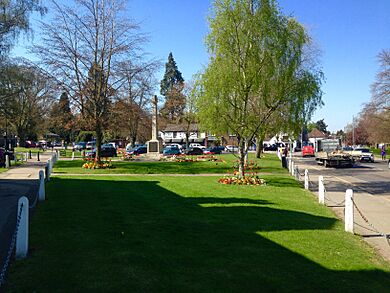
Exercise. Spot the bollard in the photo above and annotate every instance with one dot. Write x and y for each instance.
(321, 190)
(47, 170)
(29, 154)
(26, 156)
(290, 165)
(38, 156)
(306, 179)
(349, 210)
(21, 247)
(72, 156)
(41, 194)
(7, 161)
(292, 168)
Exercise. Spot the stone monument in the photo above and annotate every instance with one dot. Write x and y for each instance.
(153, 145)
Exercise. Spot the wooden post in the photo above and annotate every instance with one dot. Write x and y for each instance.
(38, 157)
(21, 247)
(349, 210)
(41, 194)
(321, 190)
(306, 179)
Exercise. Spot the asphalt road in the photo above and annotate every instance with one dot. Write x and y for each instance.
(372, 178)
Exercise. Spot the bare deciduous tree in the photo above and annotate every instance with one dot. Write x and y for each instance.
(83, 47)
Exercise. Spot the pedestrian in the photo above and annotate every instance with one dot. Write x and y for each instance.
(383, 153)
(284, 157)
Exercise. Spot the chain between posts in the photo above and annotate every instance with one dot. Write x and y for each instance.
(11, 247)
(387, 236)
(337, 204)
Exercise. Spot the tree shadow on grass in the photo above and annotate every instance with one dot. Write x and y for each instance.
(136, 236)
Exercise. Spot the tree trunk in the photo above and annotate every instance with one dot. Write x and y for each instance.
(259, 146)
(99, 138)
(241, 154)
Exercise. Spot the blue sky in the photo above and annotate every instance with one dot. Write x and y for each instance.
(349, 34)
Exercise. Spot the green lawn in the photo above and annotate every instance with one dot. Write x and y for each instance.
(268, 164)
(190, 234)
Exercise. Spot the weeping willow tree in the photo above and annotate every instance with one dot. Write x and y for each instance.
(257, 72)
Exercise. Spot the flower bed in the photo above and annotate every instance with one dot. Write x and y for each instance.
(234, 179)
(93, 164)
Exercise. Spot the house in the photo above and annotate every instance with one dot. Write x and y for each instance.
(176, 133)
(316, 135)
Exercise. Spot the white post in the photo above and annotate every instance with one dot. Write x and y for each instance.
(26, 156)
(41, 194)
(321, 190)
(292, 169)
(349, 210)
(306, 179)
(48, 170)
(7, 161)
(22, 234)
(72, 156)
(290, 164)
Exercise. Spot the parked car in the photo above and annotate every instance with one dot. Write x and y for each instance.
(308, 150)
(30, 144)
(80, 146)
(194, 151)
(197, 145)
(174, 145)
(364, 154)
(106, 151)
(212, 150)
(231, 148)
(90, 145)
(170, 151)
(138, 150)
(270, 147)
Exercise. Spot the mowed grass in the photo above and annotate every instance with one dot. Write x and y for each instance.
(269, 163)
(190, 234)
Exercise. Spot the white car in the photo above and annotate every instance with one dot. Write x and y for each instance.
(231, 148)
(197, 145)
(174, 145)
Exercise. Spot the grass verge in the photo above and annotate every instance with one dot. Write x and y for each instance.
(268, 164)
(190, 234)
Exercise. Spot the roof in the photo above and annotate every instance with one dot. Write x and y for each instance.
(180, 128)
(315, 133)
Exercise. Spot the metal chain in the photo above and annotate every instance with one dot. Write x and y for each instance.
(387, 236)
(35, 201)
(337, 204)
(11, 247)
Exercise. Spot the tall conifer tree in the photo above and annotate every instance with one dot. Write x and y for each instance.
(171, 88)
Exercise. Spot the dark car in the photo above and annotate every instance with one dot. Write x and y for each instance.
(138, 150)
(171, 151)
(194, 151)
(272, 147)
(105, 152)
(80, 146)
(30, 144)
(213, 150)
